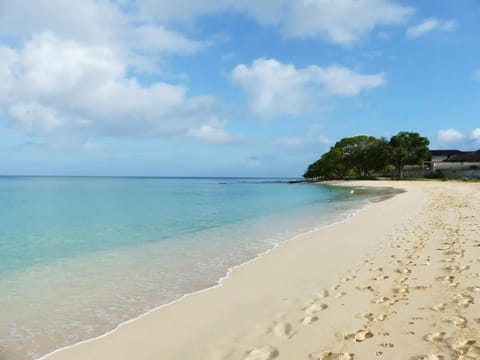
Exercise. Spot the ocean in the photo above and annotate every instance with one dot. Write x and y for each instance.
(80, 255)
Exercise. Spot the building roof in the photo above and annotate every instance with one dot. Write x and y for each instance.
(445, 152)
(470, 156)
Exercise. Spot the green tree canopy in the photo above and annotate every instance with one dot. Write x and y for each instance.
(361, 155)
(408, 148)
(352, 156)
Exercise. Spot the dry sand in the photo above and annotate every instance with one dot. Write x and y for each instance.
(400, 280)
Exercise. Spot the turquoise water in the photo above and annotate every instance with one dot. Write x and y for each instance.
(78, 256)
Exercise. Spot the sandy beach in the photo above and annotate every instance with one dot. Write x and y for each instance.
(399, 280)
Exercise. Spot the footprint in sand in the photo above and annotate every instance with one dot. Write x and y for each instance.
(387, 345)
(328, 355)
(435, 338)
(381, 317)
(463, 347)
(401, 290)
(381, 277)
(363, 335)
(365, 287)
(369, 316)
(348, 278)
(422, 287)
(428, 357)
(340, 294)
(439, 307)
(284, 330)
(446, 260)
(463, 300)
(307, 320)
(315, 308)
(323, 294)
(475, 289)
(381, 300)
(264, 353)
(358, 336)
(456, 268)
(448, 278)
(458, 321)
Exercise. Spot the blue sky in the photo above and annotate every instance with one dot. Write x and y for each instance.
(228, 88)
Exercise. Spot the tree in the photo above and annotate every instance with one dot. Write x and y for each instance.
(408, 148)
(378, 155)
(352, 156)
(329, 166)
(363, 154)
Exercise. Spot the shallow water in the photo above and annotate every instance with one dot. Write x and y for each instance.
(78, 256)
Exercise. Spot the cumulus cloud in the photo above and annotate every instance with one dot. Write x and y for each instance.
(276, 89)
(339, 21)
(214, 133)
(102, 23)
(342, 21)
(68, 67)
(74, 66)
(429, 25)
(52, 84)
(455, 137)
(448, 136)
(475, 136)
(36, 117)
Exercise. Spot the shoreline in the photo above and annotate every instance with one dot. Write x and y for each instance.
(229, 271)
(271, 306)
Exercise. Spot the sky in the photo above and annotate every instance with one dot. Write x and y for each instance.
(228, 88)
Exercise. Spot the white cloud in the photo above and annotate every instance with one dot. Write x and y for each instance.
(35, 117)
(453, 137)
(339, 80)
(448, 136)
(276, 89)
(431, 24)
(213, 134)
(475, 136)
(342, 21)
(148, 37)
(339, 21)
(68, 65)
(273, 88)
(53, 84)
(100, 23)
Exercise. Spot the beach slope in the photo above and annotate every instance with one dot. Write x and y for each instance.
(400, 280)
